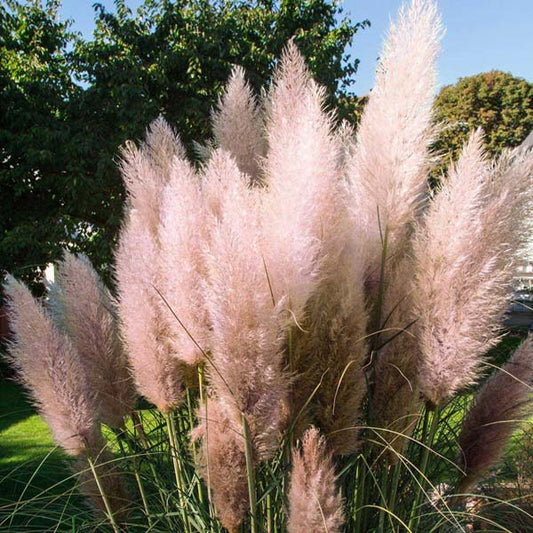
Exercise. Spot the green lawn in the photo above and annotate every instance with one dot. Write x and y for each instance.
(34, 478)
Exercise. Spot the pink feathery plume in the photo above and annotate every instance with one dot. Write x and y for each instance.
(309, 257)
(315, 504)
(146, 169)
(86, 312)
(222, 462)
(183, 235)
(246, 361)
(50, 368)
(465, 255)
(389, 166)
(156, 370)
(246, 369)
(497, 411)
(400, 364)
(238, 125)
(330, 351)
(302, 176)
(143, 312)
(387, 176)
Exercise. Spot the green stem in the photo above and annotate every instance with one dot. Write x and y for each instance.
(107, 506)
(139, 430)
(121, 438)
(394, 485)
(360, 501)
(384, 485)
(201, 382)
(193, 448)
(171, 428)
(250, 474)
(204, 401)
(414, 519)
(269, 513)
(143, 494)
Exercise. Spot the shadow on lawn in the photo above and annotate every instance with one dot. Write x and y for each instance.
(36, 486)
(14, 407)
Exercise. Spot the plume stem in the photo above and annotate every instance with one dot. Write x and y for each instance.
(428, 437)
(171, 428)
(203, 401)
(397, 469)
(107, 506)
(142, 493)
(139, 431)
(122, 437)
(193, 448)
(250, 475)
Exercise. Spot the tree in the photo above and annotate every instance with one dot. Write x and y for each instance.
(498, 102)
(35, 88)
(69, 104)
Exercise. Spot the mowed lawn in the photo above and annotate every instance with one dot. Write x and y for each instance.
(35, 483)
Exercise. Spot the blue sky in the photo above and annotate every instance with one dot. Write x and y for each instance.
(481, 35)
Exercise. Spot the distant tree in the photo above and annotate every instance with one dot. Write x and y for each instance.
(496, 101)
(37, 152)
(67, 104)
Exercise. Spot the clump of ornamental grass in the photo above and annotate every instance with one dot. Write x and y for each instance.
(307, 324)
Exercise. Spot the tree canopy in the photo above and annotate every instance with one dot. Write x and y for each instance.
(496, 101)
(68, 104)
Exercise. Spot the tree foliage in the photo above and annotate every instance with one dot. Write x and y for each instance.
(68, 104)
(498, 102)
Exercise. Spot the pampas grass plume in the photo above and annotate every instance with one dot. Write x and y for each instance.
(247, 368)
(156, 371)
(86, 311)
(143, 312)
(483, 209)
(388, 169)
(238, 125)
(183, 236)
(222, 462)
(498, 408)
(50, 368)
(315, 504)
(302, 174)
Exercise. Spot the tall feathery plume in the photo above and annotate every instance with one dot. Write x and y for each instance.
(56, 378)
(498, 408)
(388, 170)
(305, 241)
(388, 179)
(222, 462)
(331, 349)
(456, 277)
(143, 313)
(238, 125)
(86, 312)
(447, 276)
(50, 368)
(315, 504)
(247, 362)
(183, 235)
(301, 173)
